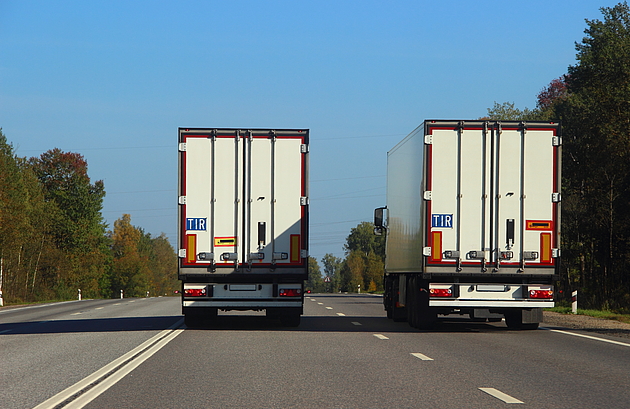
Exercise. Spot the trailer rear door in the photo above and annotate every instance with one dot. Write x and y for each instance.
(492, 194)
(243, 200)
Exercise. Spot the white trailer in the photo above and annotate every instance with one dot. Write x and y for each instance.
(243, 222)
(472, 222)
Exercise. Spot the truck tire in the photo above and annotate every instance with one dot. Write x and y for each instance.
(514, 320)
(399, 314)
(193, 320)
(290, 319)
(421, 316)
(199, 318)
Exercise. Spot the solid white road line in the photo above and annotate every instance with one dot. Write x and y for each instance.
(421, 356)
(500, 395)
(380, 336)
(89, 388)
(587, 337)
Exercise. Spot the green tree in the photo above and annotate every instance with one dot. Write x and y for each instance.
(353, 271)
(130, 267)
(508, 112)
(332, 269)
(24, 221)
(363, 239)
(163, 265)
(76, 229)
(315, 281)
(596, 116)
(371, 248)
(64, 175)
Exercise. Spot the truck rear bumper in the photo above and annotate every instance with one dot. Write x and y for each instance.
(249, 304)
(490, 304)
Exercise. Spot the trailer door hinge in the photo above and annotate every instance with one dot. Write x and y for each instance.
(182, 147)
(182, 200)
(556, 198)
(428, 139)
(303, 201)
(303, 253)
(426, 251)
(427, 195)
(557, 141)
(303, 148)
(182, 253)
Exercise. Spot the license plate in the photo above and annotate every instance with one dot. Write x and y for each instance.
(492, 288)
(242, 287)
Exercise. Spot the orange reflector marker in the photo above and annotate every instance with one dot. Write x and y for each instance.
(539, 225)
(545, 247)
(191, 248)
(295, 248)
(436, 246)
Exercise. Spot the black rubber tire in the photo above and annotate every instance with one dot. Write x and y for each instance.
(290, 320)
(193, 320)
(514, 320)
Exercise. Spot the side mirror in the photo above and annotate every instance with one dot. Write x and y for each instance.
(379, 224)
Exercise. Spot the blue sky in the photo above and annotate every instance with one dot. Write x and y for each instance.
(113, 80)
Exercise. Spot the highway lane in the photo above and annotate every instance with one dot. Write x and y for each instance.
(47, 348)
(360, 359)
(346, 354)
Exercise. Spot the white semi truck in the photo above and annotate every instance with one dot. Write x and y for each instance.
(243, 222)
(472, 222)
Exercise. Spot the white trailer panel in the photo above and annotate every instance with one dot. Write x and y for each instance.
(243, 201)
(474, 197)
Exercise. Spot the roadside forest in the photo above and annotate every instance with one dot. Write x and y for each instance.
(54, 242)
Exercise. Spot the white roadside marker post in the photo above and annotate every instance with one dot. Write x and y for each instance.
(574, 302)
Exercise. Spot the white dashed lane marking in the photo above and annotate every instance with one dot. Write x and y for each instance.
(380, 336)
(500, 395)
(421, 356)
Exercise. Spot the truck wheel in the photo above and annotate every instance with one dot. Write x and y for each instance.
(290, 320)
(193, 320)
(197, 319)
(514, 320)
(422, 316)
(399, 314)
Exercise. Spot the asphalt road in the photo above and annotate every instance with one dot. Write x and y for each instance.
(345, 354)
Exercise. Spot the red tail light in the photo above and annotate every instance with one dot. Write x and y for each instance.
(547, 294)
(441, 292)
(290, 292)
(194, 292)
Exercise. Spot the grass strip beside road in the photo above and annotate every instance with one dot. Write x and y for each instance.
(608, 315)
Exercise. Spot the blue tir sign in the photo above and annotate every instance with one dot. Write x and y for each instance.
(196, 223)
(442, 220)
